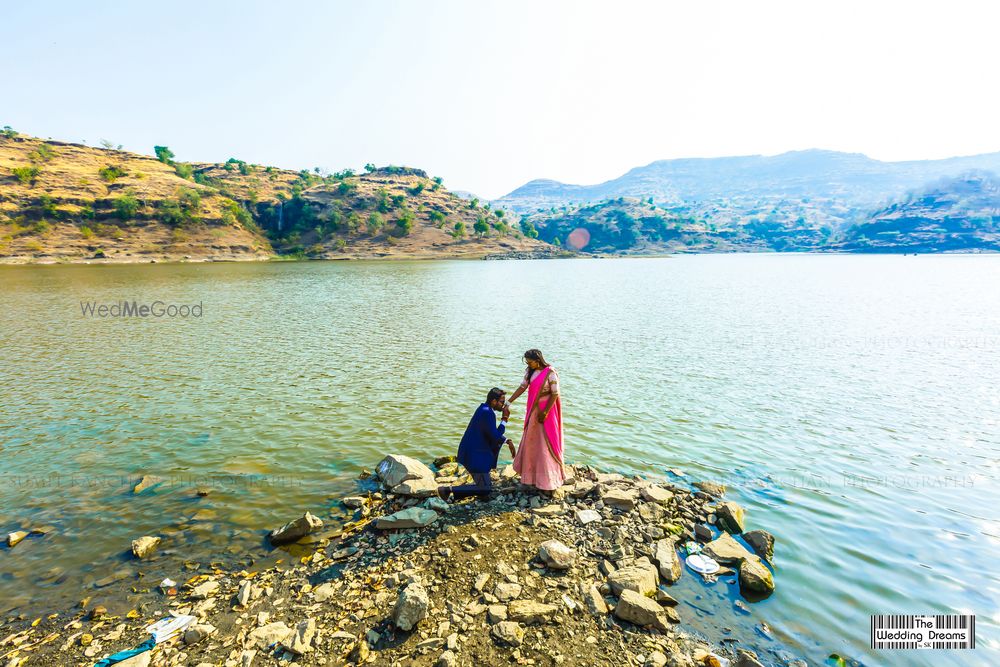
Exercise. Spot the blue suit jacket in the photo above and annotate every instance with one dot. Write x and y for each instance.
(481, 443)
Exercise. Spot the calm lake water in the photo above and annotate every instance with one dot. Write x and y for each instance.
(851, 403)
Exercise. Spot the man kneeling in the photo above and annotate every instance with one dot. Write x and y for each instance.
(480, 446)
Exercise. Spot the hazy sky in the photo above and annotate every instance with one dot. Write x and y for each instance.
(490, 95)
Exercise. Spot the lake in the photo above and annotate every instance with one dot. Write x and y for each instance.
(850, 403)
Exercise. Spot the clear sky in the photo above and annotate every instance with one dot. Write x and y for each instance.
(490, 94)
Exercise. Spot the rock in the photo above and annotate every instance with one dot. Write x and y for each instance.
(395, 469)
(726, 550)
(711, 488)
(202, 491)
(745, 658)
(422, 487)
(507, 591)
(196, 633)
(144, 547)
(755, 578)
(324, 592)
(447, 659)
(442, 461)
(436, 504)
(639, 609)
(656, 494)
(581, 489)
(243, 594)
(703, 533)
(480, 583)
(556, 555)
(609, 477)
(617, 498)
(414, 517)
(639, 578)
(508, 632)
(594, 600)
(297, 529)
(508, 473)
(762, 542)
(668, 560)
(587, 516)
(656, 659)
(549, 510)
(13, 539)
(204, 589)
(354, 502)
(665, 598)
(411, 607)
(651, 512)
(496, 613)
(147, 482)
(730, 517)
(141, 660)
(268, 635)
(530, 612)
(300, 640)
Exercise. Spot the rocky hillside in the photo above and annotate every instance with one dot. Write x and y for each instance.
(955, 215)
(628, 225)
(61, 201)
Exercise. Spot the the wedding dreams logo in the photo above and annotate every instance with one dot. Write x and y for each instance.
(155, 309)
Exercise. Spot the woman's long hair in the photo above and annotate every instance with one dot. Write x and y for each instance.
(534, 355)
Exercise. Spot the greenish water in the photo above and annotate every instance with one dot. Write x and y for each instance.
(851, 403)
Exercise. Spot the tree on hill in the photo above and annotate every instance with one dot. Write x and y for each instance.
(164, 154)
(481, 226)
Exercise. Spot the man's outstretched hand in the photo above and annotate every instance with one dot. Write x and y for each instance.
(506, 411)
(510, 446)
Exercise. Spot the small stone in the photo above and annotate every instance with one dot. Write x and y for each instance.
(411, 607)
(762, 542)
(144, 547)
(324, 592)
(711, 488)
(703, 533)
(556, 555)
(594, 600)
(297, 529)
(549, 510)
(745, 658)
(196, 633)
(480, 583)
(656, 494)
(147, 482)
(639, 578)
(355, 502)
(755, 578)
(623, 500)
(300, 640)
(436, 504)
(530, 612)
(243, 594)
(447, 659)
(204, 590)
(508, 632)
(639, 609)
(268, 635)
(13, 539)
(587, 516)
(414, 517)
(656, 659)
(496, 613)
(507, 591)
(668, 560)
(730, 517)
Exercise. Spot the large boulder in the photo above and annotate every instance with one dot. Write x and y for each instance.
(730, 517)
(412, 606)
(297, 529)
(668, 560)
(395, 469)
(414, 517)
(726, 550)
(762, 542)
(556, 555)
(643, 579)
(755, 578)
(639, 609)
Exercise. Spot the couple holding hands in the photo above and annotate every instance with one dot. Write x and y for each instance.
(539, 455)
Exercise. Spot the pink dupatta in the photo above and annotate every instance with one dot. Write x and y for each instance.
(552, 426)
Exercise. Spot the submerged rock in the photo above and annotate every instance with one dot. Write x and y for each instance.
(755, 578)
(13, 539)
(144, 547)
(297, 529)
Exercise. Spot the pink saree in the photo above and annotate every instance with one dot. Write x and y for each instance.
(539, 457)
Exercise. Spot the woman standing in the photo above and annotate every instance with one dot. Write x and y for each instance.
(539, 458)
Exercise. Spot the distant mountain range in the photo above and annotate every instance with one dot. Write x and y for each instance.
(852, 179)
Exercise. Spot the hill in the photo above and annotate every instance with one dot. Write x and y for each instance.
(954, 215)
(852, 179)
(65, 202)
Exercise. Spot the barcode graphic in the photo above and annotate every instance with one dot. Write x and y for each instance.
(902, 631)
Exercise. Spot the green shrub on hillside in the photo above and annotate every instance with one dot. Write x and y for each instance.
(8, 132)
(126, 206)
(437, 218)
(418, 188)
(404, 224)
(375, 223)
(43, 153)
(112, 173)
(398, 201)
(164, 154)
(27, 175)
(185, 171)
(345, 188)
(481, 226)
(459, 230)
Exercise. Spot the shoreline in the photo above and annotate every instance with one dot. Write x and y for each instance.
(485, 577)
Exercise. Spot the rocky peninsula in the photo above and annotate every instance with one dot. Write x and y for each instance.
(579, 577)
